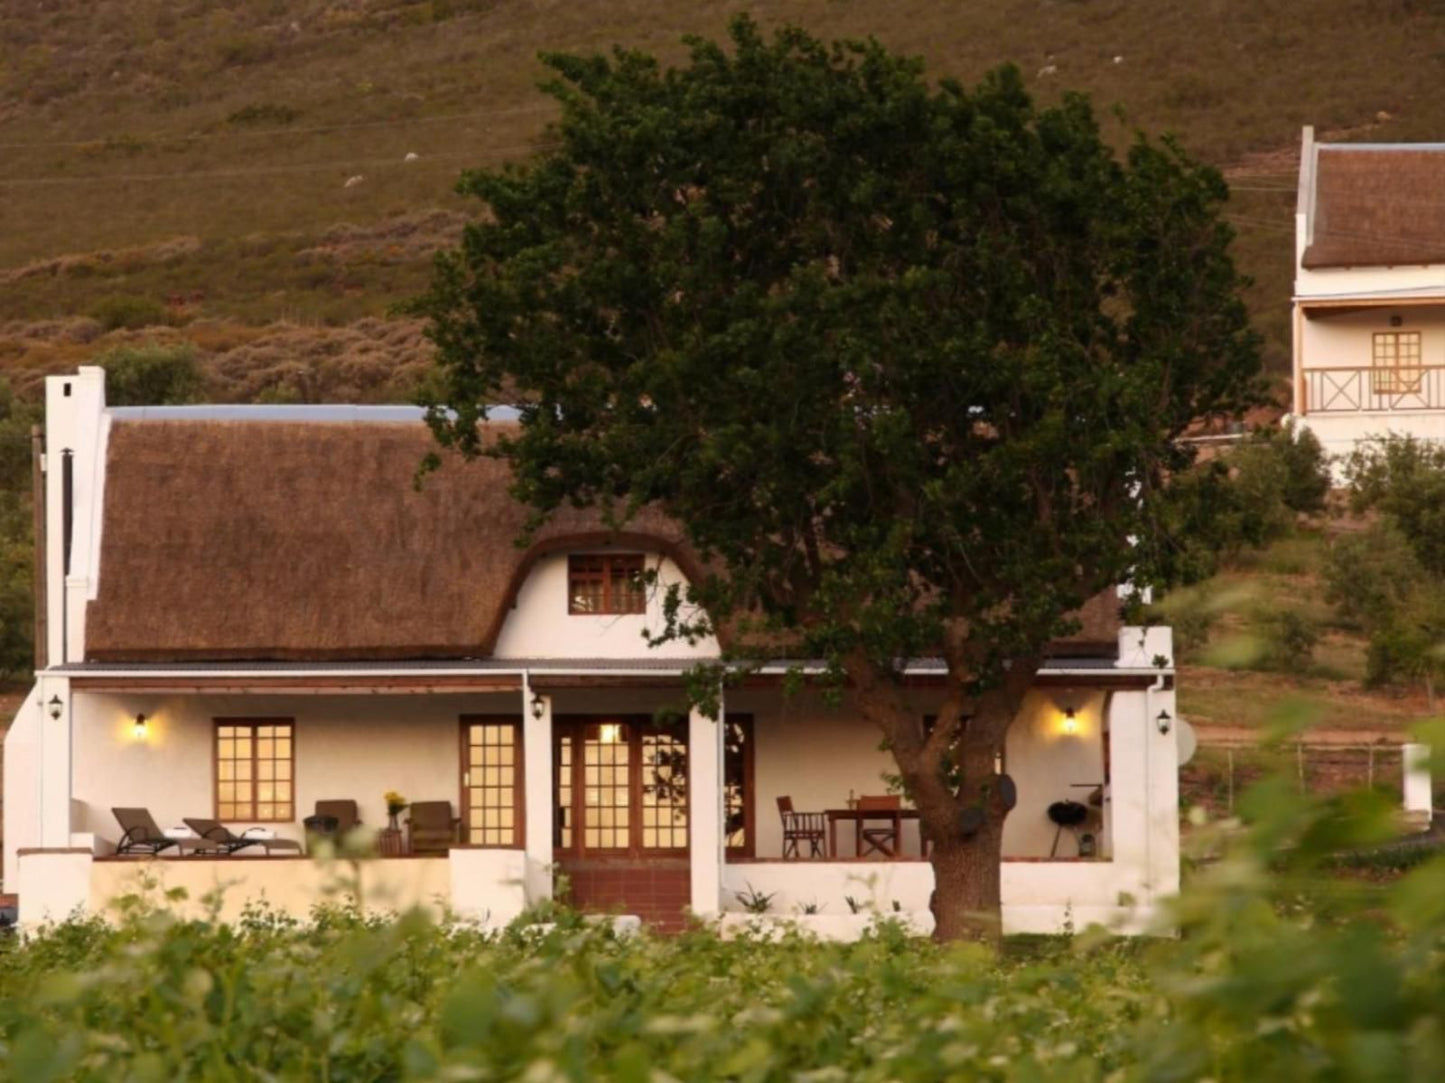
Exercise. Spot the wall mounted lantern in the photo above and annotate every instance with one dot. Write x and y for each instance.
(139, 729)
(56, 708)
(538, 707)
(1071, 723)
(1163, 721)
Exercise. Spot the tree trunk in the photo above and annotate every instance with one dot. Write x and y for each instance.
(949, 774)
(967, 903)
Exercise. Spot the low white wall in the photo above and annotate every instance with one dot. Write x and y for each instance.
(474, 884)
(488, 886)
(345, 747)
(1038, 896)
(52, 885)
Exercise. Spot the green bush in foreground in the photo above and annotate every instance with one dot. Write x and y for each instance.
(1281, 973)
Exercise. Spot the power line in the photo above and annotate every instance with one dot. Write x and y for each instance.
(197, 136)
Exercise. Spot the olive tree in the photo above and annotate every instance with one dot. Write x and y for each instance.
(906, 359)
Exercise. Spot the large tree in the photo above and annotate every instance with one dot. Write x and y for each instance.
(907, 360)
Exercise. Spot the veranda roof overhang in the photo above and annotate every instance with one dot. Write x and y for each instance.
(510, 675)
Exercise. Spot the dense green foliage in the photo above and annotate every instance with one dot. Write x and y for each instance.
(17, 602)
(1281, 973)
(1248, 496)
(1390, 579)
(907, 361)
(152, 375)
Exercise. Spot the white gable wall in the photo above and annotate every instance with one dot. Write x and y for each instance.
(539, 626)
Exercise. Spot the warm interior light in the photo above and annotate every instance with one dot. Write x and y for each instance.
(1071, 724)
(609, 733)
(140, 727)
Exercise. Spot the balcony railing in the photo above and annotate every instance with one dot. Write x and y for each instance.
(1369, 390)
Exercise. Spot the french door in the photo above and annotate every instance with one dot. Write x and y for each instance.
(621, 786)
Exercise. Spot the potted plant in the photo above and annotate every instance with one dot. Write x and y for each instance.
(395, 805)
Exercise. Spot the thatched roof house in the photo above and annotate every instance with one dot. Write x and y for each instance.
(308, 540)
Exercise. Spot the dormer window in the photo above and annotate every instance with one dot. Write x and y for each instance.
(605, 583)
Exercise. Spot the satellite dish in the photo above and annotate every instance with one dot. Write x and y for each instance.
(1187, 740)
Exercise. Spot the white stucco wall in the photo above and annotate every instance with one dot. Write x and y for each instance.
(539, 626)
(351, 746)
(1346, 340)
(22, 782)
(816, 753)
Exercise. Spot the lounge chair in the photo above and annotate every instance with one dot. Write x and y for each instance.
(431, 827)
(140, 835)
(217, 838)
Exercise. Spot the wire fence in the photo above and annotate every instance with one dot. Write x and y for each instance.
(1219, 774)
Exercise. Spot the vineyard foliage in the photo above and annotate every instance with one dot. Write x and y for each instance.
(1286, 968)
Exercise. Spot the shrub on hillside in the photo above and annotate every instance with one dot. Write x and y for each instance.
(152, 375)
(117, 313)
(1288, 641)
(1306, 466)
(1404, 480)
(1368, 576)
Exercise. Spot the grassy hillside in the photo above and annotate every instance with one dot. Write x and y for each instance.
(185, 162)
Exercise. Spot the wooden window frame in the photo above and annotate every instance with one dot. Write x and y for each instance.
(253, 724)
(1394, 375)
(748, 847)
(519, 782)
(633, 563)
(574, 728)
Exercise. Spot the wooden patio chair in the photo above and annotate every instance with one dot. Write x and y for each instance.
(800, 828)
(431, 827)
(881, 840)
(218, 838)
(140, 835)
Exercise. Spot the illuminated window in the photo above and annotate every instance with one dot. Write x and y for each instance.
(1396, 362)
(491, 783)
(664, 792)
(255, 764)
(605, 583)
(606, 786)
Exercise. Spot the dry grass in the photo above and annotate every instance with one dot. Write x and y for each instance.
(178, 118)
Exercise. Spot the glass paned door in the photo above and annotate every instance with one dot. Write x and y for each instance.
(491, 781)
(621, 786)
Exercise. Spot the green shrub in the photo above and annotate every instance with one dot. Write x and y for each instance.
(152, 375)
(116, 313)
(1288, 641)
(1282, 971)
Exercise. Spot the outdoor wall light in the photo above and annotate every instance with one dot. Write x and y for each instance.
(1163, 721)
(56, 707)
(538, 707)
(139, 729)
(1071, 723)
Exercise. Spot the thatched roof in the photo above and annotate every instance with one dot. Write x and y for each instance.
(259, 540)
(1378, 207)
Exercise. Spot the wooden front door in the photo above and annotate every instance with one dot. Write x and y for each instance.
(621, 828)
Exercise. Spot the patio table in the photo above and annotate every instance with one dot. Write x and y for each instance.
(859, 815)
